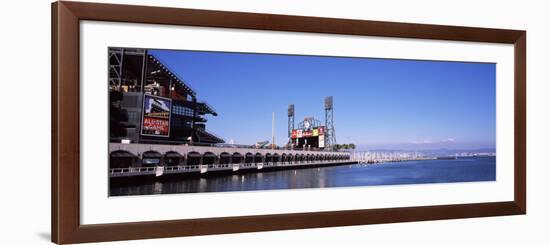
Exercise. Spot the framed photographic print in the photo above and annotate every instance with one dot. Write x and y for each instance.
(177, 122)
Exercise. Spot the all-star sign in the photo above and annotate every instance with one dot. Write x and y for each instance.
(156, 116)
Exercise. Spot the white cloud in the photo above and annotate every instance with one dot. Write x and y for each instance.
(427, 142)
(422, 142)
(449, 140)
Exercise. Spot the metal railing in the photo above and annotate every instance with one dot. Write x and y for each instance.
(150, 170)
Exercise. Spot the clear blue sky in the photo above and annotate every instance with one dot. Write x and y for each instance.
(378, 103)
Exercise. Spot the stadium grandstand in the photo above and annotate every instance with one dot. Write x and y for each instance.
(151, 104)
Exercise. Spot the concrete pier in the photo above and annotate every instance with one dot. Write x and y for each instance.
(128, 160)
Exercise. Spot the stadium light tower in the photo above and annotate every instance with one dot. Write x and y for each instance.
(290, 121)
(330, 135)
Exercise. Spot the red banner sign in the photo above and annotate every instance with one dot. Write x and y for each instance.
(156, 116)
(154, 126)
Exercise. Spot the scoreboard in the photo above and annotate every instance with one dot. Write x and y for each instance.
(309, 137)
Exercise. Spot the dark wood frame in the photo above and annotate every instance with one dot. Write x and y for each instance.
(65, 176)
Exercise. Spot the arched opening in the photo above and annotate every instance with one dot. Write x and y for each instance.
(225, 158)
(284, 157)
(173, 158)
(308, 158)
(289, 158)
(258, 158)
(237, 158)
(268, 157)
(248, 158)
(209, 158)
(193, 158)
(121, 159)
(151, 158)
(276, 158)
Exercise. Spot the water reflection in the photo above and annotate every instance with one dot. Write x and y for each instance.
(414, 172)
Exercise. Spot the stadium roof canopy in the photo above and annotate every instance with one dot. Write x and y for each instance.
(205, 108)
(167, 72)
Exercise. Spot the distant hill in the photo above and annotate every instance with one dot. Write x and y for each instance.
(441, 151)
